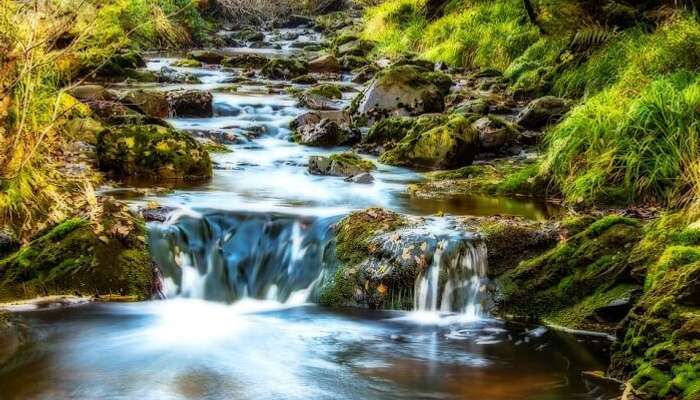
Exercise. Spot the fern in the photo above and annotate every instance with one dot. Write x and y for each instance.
(591, 37)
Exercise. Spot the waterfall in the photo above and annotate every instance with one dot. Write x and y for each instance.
(455, 280)
(226, 256)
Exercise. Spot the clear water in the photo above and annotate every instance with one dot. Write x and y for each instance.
(277, 346)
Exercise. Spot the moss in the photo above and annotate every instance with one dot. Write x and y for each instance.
(153, 152)
(388, 130)
(284, 68)
(339, 290)
(329, 91)
(352, 159)
(581, 315)
(73, 258)
(355, 231)
(188, 63)
(452, 143)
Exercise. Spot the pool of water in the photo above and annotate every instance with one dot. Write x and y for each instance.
(193, 349)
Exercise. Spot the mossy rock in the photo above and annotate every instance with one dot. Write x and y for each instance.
(341, 164)
(593, 261)
(75, 258)
(389, 131)
(151, 152)
(327, 90)
(280, 69)
(188, 63)
(441, 142)
(245, 61)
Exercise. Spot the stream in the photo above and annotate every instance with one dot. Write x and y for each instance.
(242, 260)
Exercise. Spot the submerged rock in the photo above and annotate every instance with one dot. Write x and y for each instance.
(543, 111)
(151, 152)
(364, 178)
(345, 165)
(439, 142)
(191, 103)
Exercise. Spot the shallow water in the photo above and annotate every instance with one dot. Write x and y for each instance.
(192, 349)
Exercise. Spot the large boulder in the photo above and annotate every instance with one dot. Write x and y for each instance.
(344, 164)
(151, 152)
(191, 103)
(280, 69)
(152, 103)
(495, 135)
(325, 133)
(325, 64)
(440, 142)
(543, 111)
(402, 90)
(321, 97)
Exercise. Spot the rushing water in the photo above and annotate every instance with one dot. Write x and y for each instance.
(246, 254)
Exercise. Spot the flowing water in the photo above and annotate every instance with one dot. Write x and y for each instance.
(243, 261)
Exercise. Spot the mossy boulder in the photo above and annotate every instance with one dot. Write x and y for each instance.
(325, 64)
(434, 143)
(187, 63)
(256, 61)
(77, 257)
(387, 132)
(358, 48)
(566, 284)
(325, 133)
(402, 90)
(206, 56)
(543, 111)
(496, 135)
(191, 103)
(321, 97)
(152, 103)
(343, 164)
(281, 69)
(151, 152)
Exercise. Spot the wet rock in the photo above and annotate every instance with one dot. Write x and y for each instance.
(151, 152)
(250, 35)
(223, 109)
(289, 36)
(416, 62)
(364, 179)
(321, 97)
(8, 241)
(325, 64)
(403, 90)
(87, 93)
(312, 47)
(345, 165)
(206, 56)
(349, 63)
(230, 39)
(294, 21)
(358, 48)
(281, 69)
(170, 75)
(190, 103)
(614, 311)
(384, 135)
(156, 213)
(543, 111)
(140, 76)
(187, 63)
(117, 113)
(305, 80)
(314, 117)
(245, 61)
(495, 134)
(473, 106)
(365, 74)
(441, 142)
(325, 133)
(151, 103)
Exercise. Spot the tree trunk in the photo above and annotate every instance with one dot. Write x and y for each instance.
(532, 15)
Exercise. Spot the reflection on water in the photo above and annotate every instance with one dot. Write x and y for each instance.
(191, 349)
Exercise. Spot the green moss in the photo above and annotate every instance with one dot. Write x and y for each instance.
(352, 159)
(388, 130)
(329, 91)
(672, 257)
(188, 63)
(339, 290)
(581, 314)
(280, 68)
(355, 231)
(153, 152)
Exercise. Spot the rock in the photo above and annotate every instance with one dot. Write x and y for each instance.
(494, 134)
(8, 241)
(151, 152)
(345, 165)
(289, 36)
(87, 93)
(245, 61)
(428, 66)
(280, 69)
(614, 311)
(206, 56)
(250, 35)
(190, 103)
(325, 64)
(152, 103)
(314, 117)
(473, 106)
(156, 213)
(103, 255)
(117, 113)
(689, 293)
(117, 65)
(384, 135)
(169, 75)
(402, 90)
(365, 74)
(325, 133)
(305, 80)
(294, 21)
(230, 39)
(442, 142)
(321, 97)
(358, 48)
(349, 63)
(543, 111)
(364, 178)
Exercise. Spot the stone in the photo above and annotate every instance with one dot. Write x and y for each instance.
(170, 75)
(494, 134)
(190, 103)
(8, 241)
(305, 80)
(280, 69)
(613, 311)
(358, 48)
(294, 21)
(156, 213)
(364, 74)
(250, 35)
(325, 64)
(206, 56)
(402, 90)
(245, 61)
(86, 93)
(152, 103)
(151, 152)
(543, 111)
(345, 165)
(364, 178)
(325, 133)
(314, 117)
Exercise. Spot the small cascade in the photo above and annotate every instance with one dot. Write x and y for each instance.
(455, 280)
(226, 256)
